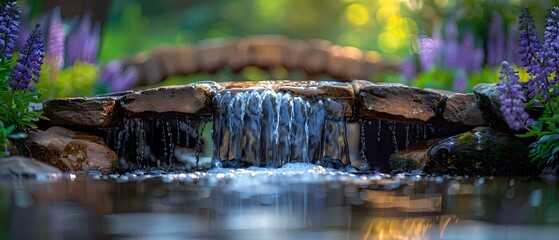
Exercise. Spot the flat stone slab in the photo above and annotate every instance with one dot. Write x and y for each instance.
(398, 103)
(91, 112)
(171, 100)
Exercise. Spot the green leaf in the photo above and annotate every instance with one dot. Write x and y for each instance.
(550, 137)
(528, 134)
(555, 150)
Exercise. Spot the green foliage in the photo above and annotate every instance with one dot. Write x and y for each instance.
(440, 78)
(546, 149)
(437, 78)
(5, 132)
(14, 108)
(76, 81)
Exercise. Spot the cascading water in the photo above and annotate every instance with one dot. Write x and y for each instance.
(261, 128)
(267, 128)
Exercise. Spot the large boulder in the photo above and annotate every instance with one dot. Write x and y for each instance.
(71, 150)
(398, 103)
(482, 151)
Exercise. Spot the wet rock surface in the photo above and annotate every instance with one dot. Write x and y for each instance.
(413, 158)
(419, 113)
(188, 100)
(482, 151)
(462, 109)
(23, 166)
(551, 172)
(91, 112)
(71, 150)
(398, 103)
(487, 99)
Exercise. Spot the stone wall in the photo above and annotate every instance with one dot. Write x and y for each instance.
(396, 106)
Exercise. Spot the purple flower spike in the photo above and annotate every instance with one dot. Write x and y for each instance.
(550, 48)
(471, 57)
(83, 42)
(530, 47)
(512, 99)
(461, 81)
(118, 78)
(408, 69)
(29, 63)
(451, 55)
(496, 42)
(55, 43)
(9, 26)
(430, 50)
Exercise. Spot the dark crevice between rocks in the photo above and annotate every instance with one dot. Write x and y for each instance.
(170, 142)
(378, 150)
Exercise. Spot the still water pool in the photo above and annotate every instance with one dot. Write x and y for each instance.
(298, 201)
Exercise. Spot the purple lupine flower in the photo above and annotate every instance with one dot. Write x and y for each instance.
(451, 58)
(83, 42)
(91, 45)
(55, 43)
(512, 99)
(530, 47)
(471, 57)
(430, 50)
(9, 26)
(408, 69)
(496, 41)
(550, 48)
(126, 80)
(29, 63)
(117, 78)
(512, 45)
(460, 81)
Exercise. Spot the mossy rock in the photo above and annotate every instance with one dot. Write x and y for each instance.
(482, 151)
(413, 158)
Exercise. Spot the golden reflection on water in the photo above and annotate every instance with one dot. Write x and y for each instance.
(406, 228)
(404, 203)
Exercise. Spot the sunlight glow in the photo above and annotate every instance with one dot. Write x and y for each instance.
(357, 14)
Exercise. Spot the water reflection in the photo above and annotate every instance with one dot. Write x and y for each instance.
(295, 202)
(407, 228)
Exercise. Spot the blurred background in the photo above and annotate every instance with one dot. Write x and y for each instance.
(442, 44)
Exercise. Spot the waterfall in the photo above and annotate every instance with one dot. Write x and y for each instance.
(267, 128)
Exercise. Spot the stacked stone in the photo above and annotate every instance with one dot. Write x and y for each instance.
(314, 57)
(455, 113)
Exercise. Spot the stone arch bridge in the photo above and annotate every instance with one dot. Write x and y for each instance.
(314, 57)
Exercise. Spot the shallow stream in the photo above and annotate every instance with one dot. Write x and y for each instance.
(297, 201)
